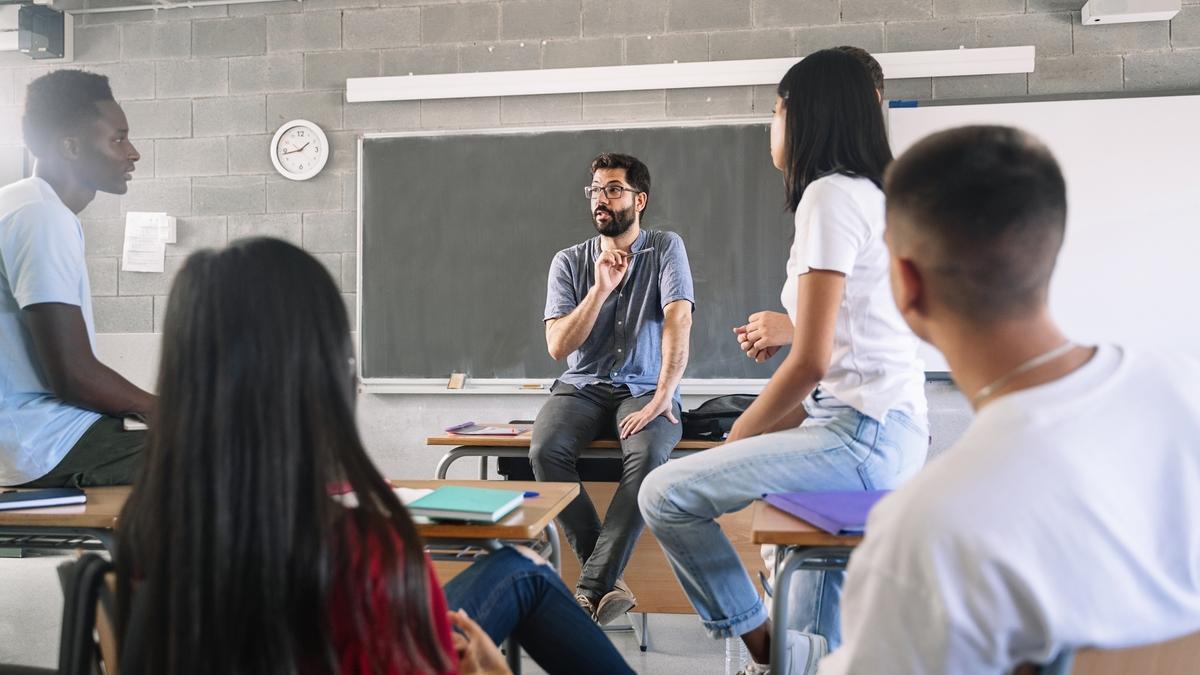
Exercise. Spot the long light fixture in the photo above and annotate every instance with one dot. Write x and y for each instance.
(896, 65)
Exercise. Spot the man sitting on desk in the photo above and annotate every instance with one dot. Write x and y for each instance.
(619, 308)
(60, 407)
(1068, 513)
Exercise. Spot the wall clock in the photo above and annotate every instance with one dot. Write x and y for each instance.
(299, 150)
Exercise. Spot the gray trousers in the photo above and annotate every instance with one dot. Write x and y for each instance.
(570, 420)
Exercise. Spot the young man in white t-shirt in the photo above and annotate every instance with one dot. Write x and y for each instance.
(1068, 514)
(60, 408)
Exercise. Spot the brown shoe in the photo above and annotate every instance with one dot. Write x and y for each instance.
(585, 604)
(615, 603)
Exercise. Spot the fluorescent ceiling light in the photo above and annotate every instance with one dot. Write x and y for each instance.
(896, 65)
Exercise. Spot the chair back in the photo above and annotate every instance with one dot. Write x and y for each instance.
(88, 644)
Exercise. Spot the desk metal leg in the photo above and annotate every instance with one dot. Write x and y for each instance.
(555, 547)
(444, 464)
(793, 559)
(483, 467)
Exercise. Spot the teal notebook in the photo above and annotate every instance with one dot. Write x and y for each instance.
(479, 505)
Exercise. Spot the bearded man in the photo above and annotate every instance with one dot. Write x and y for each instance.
(619, 309)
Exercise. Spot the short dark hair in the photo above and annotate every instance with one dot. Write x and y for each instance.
(985, 208)
(834, 123)
(864, 57)
(636, 173)
(59, 103)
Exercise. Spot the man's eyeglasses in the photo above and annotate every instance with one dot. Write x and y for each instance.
(610, 191)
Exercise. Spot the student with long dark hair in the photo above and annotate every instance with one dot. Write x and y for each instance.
(234, 558)
(846, 409)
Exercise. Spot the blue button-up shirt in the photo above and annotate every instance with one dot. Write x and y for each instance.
(625, 345)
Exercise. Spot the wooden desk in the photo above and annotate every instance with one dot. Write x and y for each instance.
(799, 546)
(648, 574)
(97, 520)
(518, 446)
(88, 525)
(98, 517)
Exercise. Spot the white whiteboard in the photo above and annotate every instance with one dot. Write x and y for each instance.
(1129, 270)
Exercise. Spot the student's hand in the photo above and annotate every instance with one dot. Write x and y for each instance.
(637, 421)
(762, 355)
(763, 330)
(477, 654)
(610, 269)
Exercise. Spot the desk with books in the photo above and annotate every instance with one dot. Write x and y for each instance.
(798, 546)
(93, 524)
(517, 445)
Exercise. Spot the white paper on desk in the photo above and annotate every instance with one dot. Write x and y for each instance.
(406, 495)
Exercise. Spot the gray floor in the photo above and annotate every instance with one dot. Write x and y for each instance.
(31, 610)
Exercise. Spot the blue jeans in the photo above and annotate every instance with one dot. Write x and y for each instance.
(509, 594)
(836, 448)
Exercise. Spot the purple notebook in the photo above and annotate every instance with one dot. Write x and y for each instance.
(840, 513)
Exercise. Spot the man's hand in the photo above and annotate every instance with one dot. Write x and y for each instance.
(637, 421)
(763, 334)
(477, 654)
(610, 269)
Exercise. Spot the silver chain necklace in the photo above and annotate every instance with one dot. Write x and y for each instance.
(1040, 359)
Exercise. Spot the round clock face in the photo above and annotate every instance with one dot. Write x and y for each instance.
(299, 150)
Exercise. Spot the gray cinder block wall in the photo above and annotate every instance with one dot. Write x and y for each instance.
(205, 88)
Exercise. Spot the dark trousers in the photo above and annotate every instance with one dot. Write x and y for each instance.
(508, 594)
(105, 454)
(570, 420)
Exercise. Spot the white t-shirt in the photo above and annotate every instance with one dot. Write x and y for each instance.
(874, 366)
(41, 260)
(1067, 516)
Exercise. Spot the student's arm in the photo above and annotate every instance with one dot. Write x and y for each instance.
(818, 296)
(72, 370)
(565, 334)
(677, 331)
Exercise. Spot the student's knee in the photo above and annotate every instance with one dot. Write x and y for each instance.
(547, 453)
(655, 499)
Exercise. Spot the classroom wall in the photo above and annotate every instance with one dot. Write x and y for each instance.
(205, 89)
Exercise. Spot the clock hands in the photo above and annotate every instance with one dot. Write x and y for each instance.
(288, 152)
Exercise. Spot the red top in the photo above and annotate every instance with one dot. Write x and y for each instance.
(381, 646)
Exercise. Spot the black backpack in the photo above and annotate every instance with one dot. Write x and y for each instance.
(715, 417)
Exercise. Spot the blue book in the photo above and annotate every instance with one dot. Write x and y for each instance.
(35, 499)
(838, 513)
(453, 502)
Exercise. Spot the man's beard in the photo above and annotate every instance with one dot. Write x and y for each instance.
(618, 221)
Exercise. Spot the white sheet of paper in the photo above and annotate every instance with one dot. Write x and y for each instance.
(406, 495)
(146, 238)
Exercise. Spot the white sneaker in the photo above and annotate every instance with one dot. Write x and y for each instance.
(804, 651)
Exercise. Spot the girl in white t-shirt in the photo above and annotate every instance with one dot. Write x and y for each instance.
(846, 409)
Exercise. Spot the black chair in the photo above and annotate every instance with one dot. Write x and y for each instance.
(88, 644)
